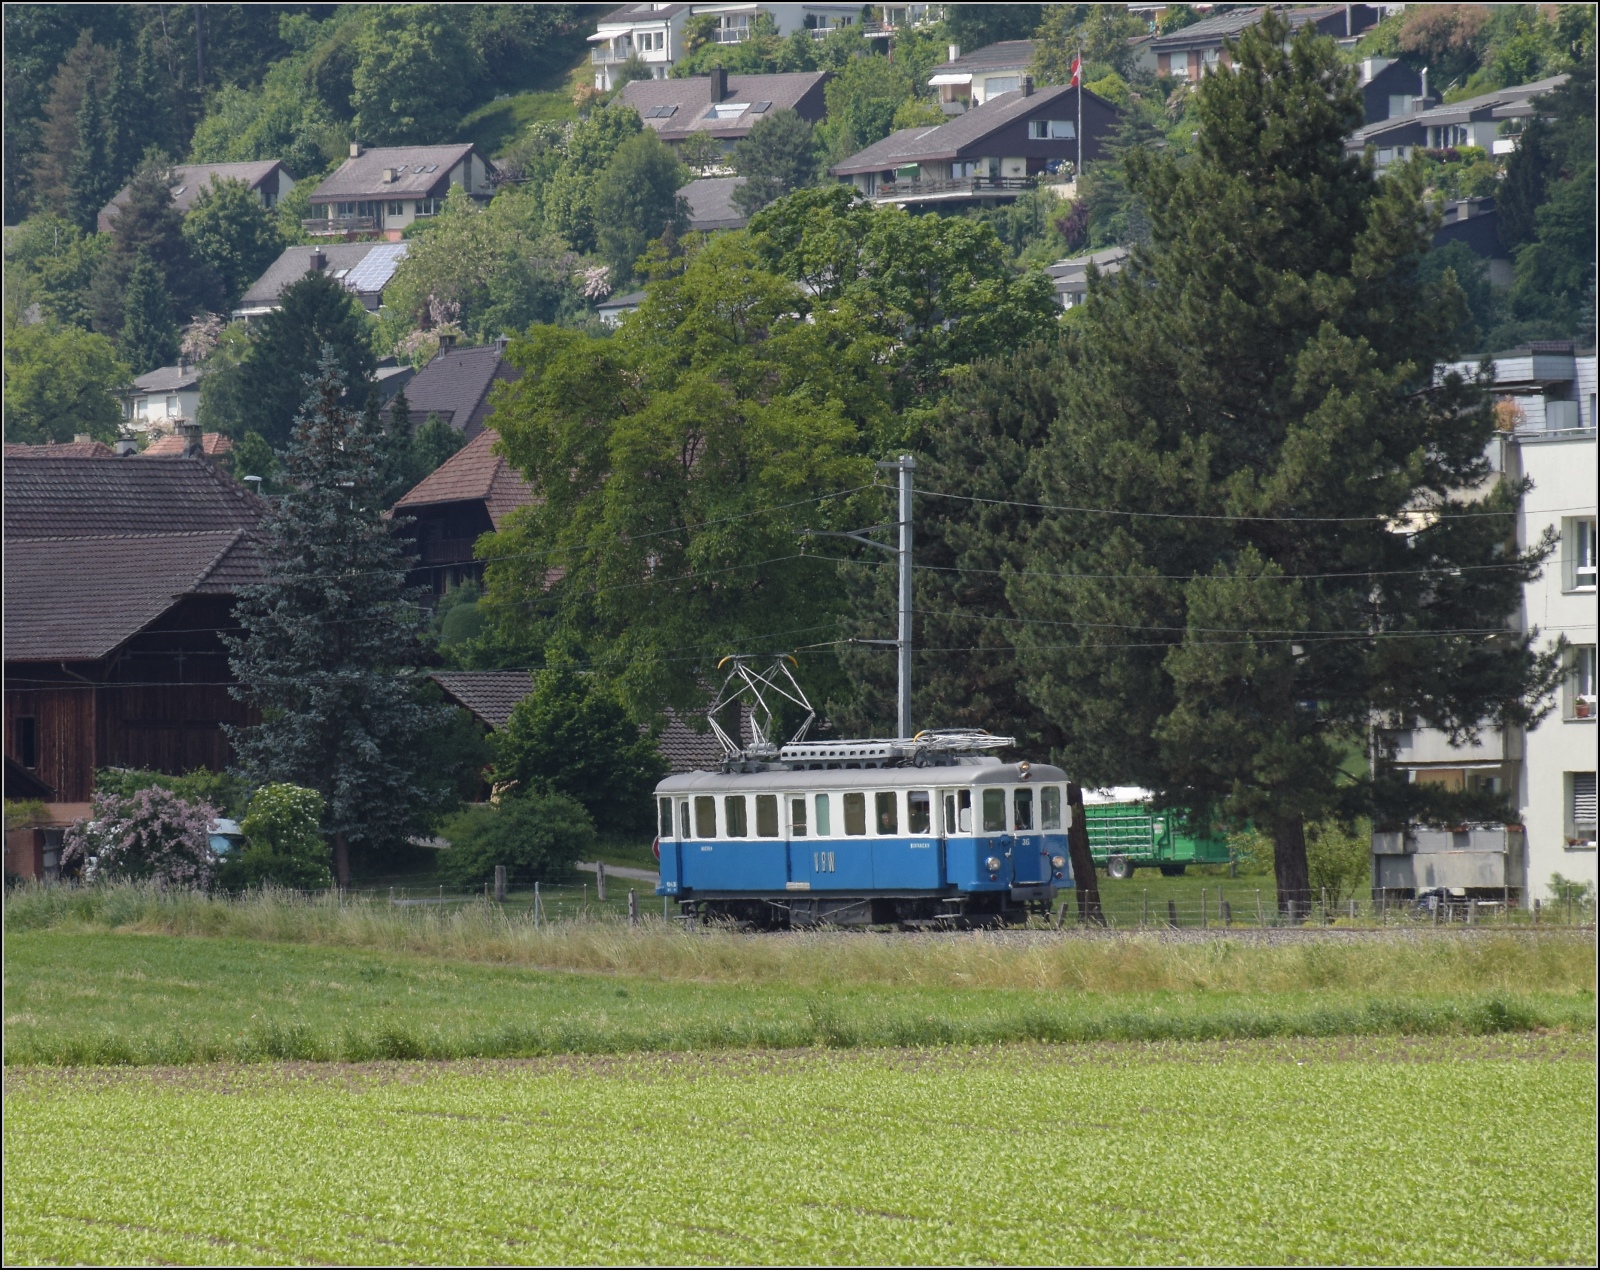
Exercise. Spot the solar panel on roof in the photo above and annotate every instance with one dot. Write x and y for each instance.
(761, 107)
(376, 268)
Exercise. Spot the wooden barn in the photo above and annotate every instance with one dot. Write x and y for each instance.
(119, 576)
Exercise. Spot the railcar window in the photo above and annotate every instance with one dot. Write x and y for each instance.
(705, 817)
(888, 812)
(919, 812)
(824, 817)
(1050, 807)
(855, 814)
(994, 811)
(733, 816)
(766, 815)
(683, 819)
(666, 818)
(964, 810)
(797, 817)
(1022, 805)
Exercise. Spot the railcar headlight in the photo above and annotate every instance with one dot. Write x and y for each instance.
(992, 864)
(1058, 862)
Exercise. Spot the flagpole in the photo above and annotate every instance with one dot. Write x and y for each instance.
(1078, 79)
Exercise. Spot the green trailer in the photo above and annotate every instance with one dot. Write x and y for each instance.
(1126, 834)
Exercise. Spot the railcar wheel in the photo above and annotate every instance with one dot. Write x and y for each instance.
(1119, 867)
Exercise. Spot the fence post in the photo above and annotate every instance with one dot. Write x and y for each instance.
(499, 884)
(1261, 915)
(1225, 912)
(666, 913)
(391, 897)
(633, 908)
(600, 882)
(536, 906)
(1202, 908)
(1325, 918)
(1536, 907)
(1144, 907)
(1172, 914)
(1472, 912)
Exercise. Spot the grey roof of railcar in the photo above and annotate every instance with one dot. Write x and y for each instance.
(859, 778)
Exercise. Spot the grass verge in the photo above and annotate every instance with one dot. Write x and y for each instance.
(1439, 1151)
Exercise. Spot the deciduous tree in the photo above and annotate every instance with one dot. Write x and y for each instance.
(778, 157)
(232, 234)
(60, 381)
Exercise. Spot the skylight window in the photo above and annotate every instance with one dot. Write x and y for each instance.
(661, 112)
(727, 109)
(761, 108)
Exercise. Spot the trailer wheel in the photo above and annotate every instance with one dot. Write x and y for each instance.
(1120, 867)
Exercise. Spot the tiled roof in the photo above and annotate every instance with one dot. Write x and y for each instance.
(957, 138)
(455, 386)
(173, 445)
(78, 599)
(689, 751)
(188, 179)
(642, 13)
(711, 204)
(369, 265)
(1230, 25)
(1465, 111)
(420, 171)
(1003, 56)
(167, 379)
(489, 694)
(796, 90)
(473, 473)
(61, 450)
(93, 498)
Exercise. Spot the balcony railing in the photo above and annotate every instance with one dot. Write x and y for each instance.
(605, 55)
(730, 35)
(340, 224)
(894, 191)
(446, 551)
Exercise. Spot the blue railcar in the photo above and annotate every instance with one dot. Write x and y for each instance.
(921, 832)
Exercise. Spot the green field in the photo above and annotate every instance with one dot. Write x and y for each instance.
(1398, 1151)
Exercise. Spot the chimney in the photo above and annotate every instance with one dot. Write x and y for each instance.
(954, 51)
(388, 176)
(500, 342)
(126, 446)
(193, 446)
(355, 149)
(82, 438)
(1422, 101)
(317, 261)
(1027, 85)
(719, 84)
(447, 344)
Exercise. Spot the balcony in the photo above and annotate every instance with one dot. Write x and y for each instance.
(1473, 858)
(340, 225)
(951, 189)
(446, 551)
(730, 35)
(605, 55)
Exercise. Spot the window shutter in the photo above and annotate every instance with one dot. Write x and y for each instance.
(1583, 798)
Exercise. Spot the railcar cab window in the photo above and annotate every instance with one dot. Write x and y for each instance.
(1022, 806)
(766, 815)
(683, 819)
(797, 817)
(666, 817)
(855, 815)
(824, 817)
(888, 813)
(958, 811)
(705, 817)
(1050, 807)
(919, 812)
(733, 816)
(994, 811)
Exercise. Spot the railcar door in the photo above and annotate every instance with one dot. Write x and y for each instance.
(1029, 860)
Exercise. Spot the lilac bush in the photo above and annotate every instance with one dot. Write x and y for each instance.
(151, 836)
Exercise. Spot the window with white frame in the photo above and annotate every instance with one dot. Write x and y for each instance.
(1052, 130)
(1579, 697)
(1579, 540)
(1580, 809)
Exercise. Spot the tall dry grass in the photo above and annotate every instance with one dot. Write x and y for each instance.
(1419, 961)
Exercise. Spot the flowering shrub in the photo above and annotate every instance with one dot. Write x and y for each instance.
(152, 835)
(284, 842)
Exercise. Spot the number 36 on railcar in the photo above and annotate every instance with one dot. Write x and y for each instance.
(928, 831)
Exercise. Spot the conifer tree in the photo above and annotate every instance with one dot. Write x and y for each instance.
(330, 637)
(1263, 533)
(148, 222)
(149, 336)
(89, 179)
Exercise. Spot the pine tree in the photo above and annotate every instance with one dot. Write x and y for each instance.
(1220, 600)
(149, 336)
(329, 639)
(89, 180)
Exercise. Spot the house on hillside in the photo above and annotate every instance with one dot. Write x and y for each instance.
(82, 446)
(657, 34)
(364, 269)
(1491, 121)
(470, 494)
(1390, 89)
(1071, 276)
(456, 384)
(1196, 50)
(189, 443)
(120, 577)
(159, 398)
(990, 154)
(1546, 400)
(722, 106)
(711, 205)
(383, 190)
(970, 79)
(268, 180)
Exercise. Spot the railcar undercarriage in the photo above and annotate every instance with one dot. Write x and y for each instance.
(983, 911)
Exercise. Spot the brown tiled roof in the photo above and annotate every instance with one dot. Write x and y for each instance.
(188, 179)
(420, 171)
(489, 694)
(79, 599)
(172, 446)
(474, 473)
(687, 750)
(91, 498)
(61, 450)
(455, 386)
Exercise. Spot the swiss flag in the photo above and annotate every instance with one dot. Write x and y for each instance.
(1077, 71)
